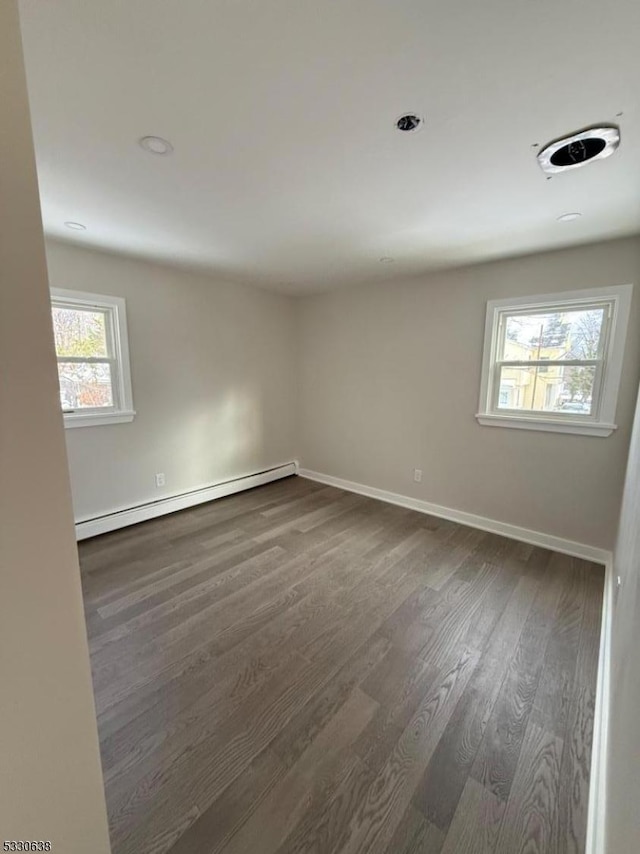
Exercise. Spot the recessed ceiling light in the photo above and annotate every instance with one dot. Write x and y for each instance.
(409, 123)
(569, 217)
(156, 145)
(76, 226)
(386, 259)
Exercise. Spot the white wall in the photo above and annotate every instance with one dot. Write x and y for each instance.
(623, 791)
(213, 382)
(389, 381)
(50, 780)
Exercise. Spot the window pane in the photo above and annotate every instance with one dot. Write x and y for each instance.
(84, 385)
(556, 388)
(572, 334)
(79, 332)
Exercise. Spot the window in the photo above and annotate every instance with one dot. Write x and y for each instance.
(554, 362)
(90, 334)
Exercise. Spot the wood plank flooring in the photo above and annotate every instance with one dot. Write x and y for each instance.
(299, 669)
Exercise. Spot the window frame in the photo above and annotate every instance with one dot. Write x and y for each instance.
(608, 363)
(115, 312)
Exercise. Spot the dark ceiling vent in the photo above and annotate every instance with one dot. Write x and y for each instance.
(408, 123)
(570, 152)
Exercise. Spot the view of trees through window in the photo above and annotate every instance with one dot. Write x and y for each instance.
(84, 364)
(556, 338)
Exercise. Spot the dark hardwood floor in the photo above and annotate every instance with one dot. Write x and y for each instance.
(300, 669)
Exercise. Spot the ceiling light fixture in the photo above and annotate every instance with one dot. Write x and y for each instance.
(156, 145)
(76, 226)
(569, 217)
(409, 123)
(572, 152)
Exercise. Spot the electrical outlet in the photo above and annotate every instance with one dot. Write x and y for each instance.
(160, 478)
(417, 475)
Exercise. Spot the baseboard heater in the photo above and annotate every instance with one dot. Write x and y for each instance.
(132, 515)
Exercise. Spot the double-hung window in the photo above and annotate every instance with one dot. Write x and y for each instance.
(554, 362)
(90, 332)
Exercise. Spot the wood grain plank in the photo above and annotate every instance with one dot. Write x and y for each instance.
(527, 826)
(551, 708)
(570, 826)
(376, 819)
(310, 720)
(476, 823)
(497, 757)
(321, 829)
(317, 771)
(445, 777)
(415, 835)
(239, 801)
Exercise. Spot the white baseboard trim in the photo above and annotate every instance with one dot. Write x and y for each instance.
(514, 532)
(597, 814)
(132, 515)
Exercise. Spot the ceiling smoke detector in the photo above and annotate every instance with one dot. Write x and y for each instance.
(576, 150)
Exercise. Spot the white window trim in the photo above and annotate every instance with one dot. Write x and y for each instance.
(124, 412)
(603, 421)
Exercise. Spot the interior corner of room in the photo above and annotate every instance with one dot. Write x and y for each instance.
(320, 429)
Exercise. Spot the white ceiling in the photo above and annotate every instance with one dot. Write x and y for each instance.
(288, 171)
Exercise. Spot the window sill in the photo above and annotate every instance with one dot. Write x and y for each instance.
(96, 420)
(555, 425)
